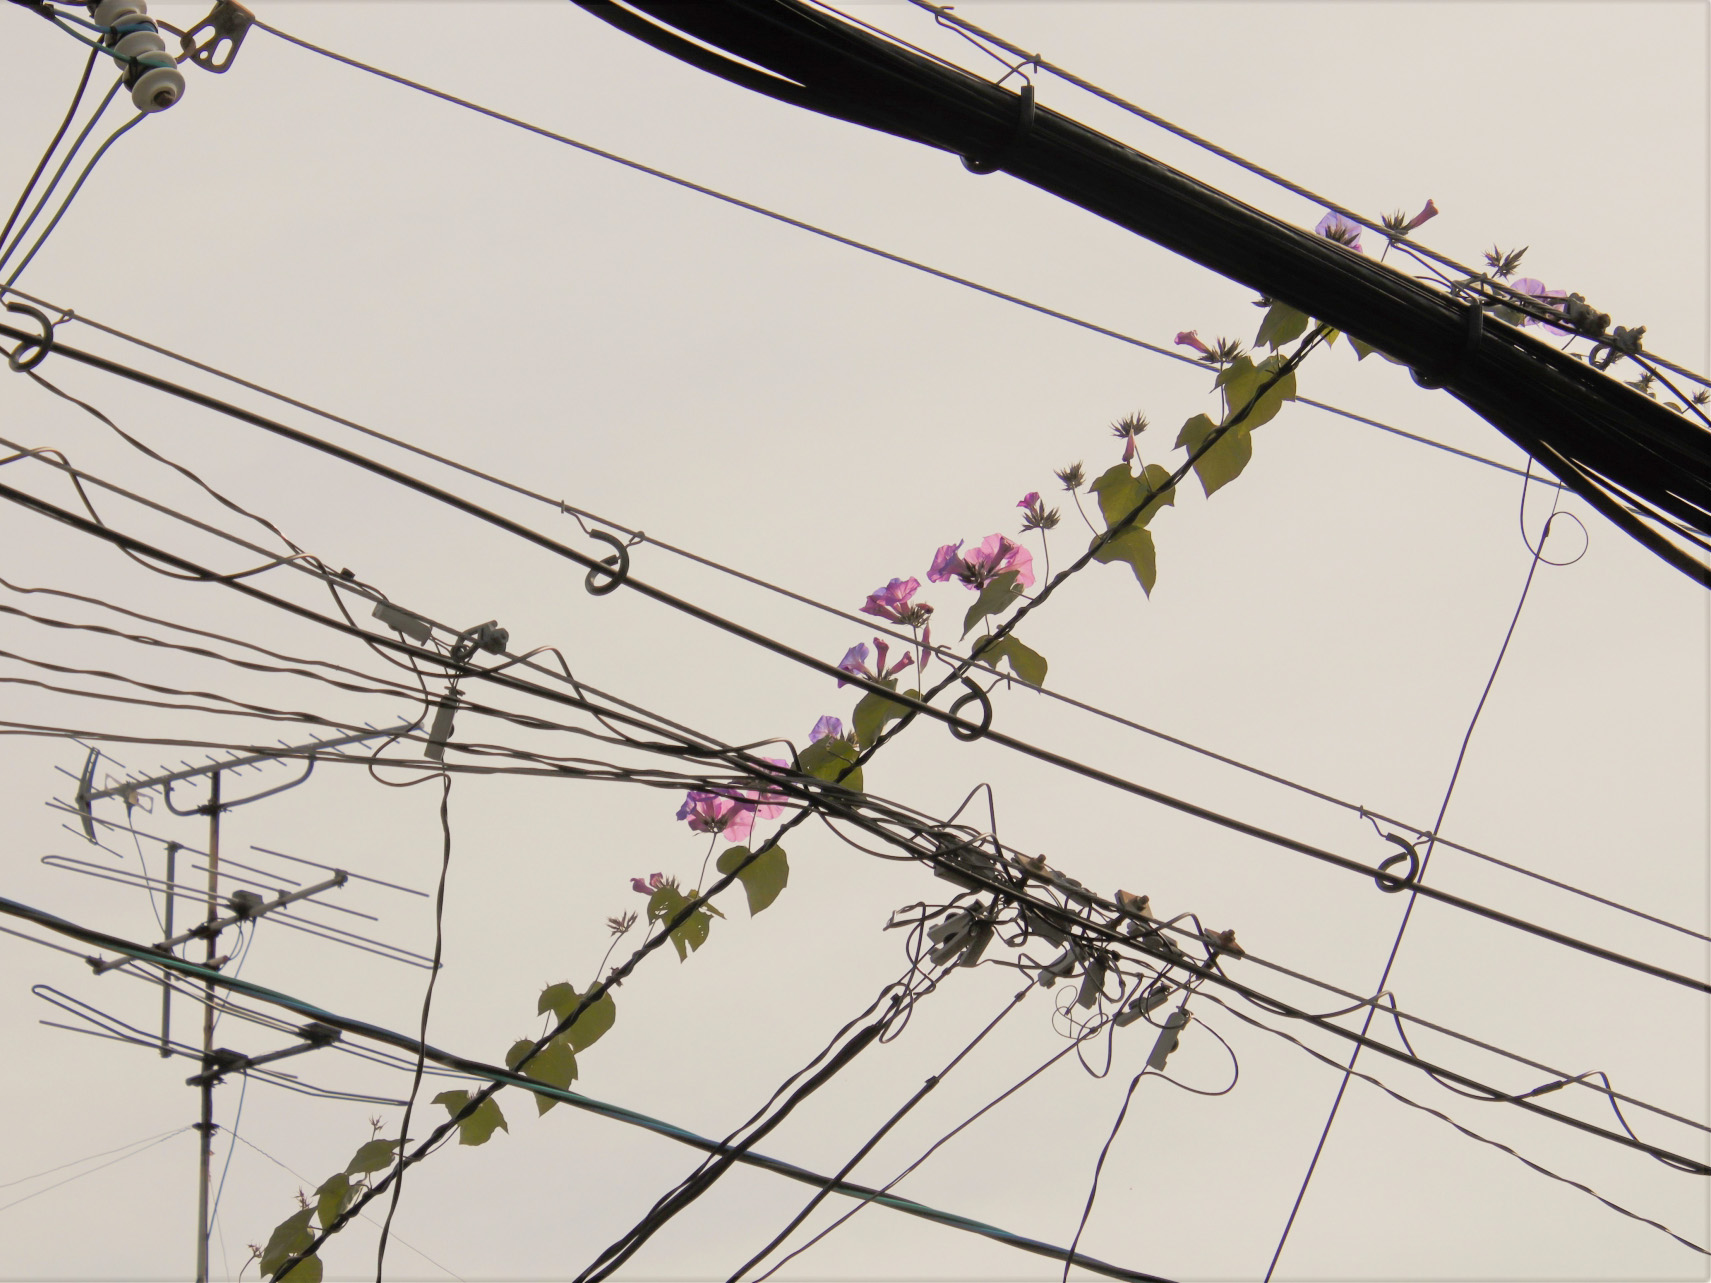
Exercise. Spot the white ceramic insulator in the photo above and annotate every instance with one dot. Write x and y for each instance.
(136, 44)
(113, 13)
(158, 85)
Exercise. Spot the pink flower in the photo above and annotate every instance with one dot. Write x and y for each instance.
(892, 603)
(648, 887)
(828, 727)
(1191, 338)
(995, 555)
(1028, 500)
(1430, 211)
(1334, 227)
(716, 813)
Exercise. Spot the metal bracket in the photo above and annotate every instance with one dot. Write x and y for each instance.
(228, 23)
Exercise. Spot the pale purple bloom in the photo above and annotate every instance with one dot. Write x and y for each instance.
(892, 602)
(651, 884)
(1535, 289)
(1028, 500)
(981, 565)
(828, 727)
(1334, 227)
(768, 802)
(1191, 338)
(855, 661)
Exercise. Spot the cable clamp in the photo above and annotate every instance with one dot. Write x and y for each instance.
(228, 23)
(1624, 342)
(1389, 882)
(1440, 376)
(1024, 124)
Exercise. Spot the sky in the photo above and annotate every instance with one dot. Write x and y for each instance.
(824, 420)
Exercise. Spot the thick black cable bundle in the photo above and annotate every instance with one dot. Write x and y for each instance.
(1608, 441)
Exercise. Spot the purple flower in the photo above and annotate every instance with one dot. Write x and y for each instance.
(651, 884)
(1028, 500)
(1334, 227)
(767, 802)
(828, 727)
(716, 813)
(1535, 289)
(1191, 338)
(995, 555)
(892, 603)
(855, 661)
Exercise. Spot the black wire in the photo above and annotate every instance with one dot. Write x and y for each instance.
(1050, 694)
(1093, 1189)
(42, 164)
(427, 1004)
(71, 519)
(879, 1135)
(7, 249)
(1408, 910)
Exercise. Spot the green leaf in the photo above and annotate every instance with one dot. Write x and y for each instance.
(1121, 492)
(561, 1000)
(479, 1127)
(874, 712)
(1026, 663)
(828, 757)
(763, 879)
(375, 1156)
(331, 1198)
(1134, 547)
(290, 1236)
(555, 1065)
(1224, 462)
(994, 599)
(1282, 324)
(1242, 380)
(664, 905)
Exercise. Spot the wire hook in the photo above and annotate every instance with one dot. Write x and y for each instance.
(966, 731)
(1388, 882)
(42, 345)
(614, 578)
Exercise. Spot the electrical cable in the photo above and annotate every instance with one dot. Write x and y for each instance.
(53, 144)
(427, 1004)
(70, 196)
(915, 706)
(22, 230)
(159, 1140)
(1612, 439)
(1050, 694)
(1408, 910)
(879, 1135)
(237, 1118)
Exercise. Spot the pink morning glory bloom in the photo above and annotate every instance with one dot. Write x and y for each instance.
(1028, 500)
(1334, 227)
(714, 813)
(892, 602)
(828, 727)
(981, 565)
(1191, 338)
(650, 885)
(855, 661)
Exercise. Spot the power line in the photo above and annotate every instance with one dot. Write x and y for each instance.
(638, 536)
(496, 1076)
(1408, 910)
(914, 706)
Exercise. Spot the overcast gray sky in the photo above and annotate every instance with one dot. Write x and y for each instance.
(825, 420)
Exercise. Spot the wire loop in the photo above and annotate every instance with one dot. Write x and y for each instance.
(42, 345)
(614, 579)
(1387, 881)
(966, 731)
